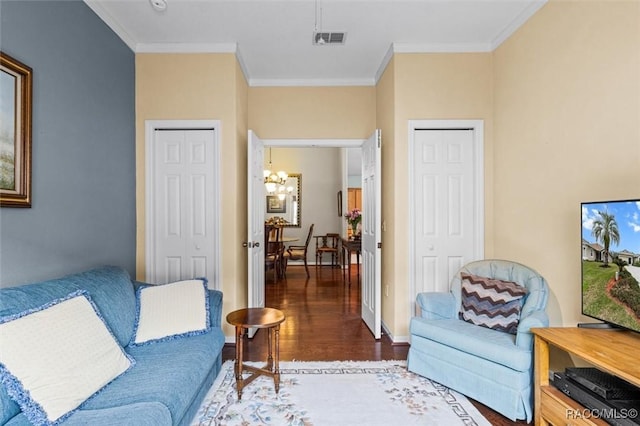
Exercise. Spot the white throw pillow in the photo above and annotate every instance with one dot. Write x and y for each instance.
(55, 357)
(172, 310)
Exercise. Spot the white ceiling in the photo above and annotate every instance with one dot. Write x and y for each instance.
(273, 38)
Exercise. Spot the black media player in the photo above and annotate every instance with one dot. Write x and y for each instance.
(615, 412)
(604, 384)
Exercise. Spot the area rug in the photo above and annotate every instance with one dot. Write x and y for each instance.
(336, 393)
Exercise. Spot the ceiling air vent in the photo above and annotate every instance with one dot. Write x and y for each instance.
(324, 38)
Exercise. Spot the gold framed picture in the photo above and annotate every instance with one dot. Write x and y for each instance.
(276, 205)
(16, 85)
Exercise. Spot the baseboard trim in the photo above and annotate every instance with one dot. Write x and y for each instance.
(395, 340)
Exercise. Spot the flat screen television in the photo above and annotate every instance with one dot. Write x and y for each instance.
(610, 253)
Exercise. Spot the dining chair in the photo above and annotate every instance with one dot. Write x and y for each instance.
(300, 252)
(329, 243)
(272, 249)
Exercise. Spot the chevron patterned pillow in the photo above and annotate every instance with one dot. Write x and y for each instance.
(491, 303)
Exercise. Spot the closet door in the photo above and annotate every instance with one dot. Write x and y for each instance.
(184, 205)
(447, 203)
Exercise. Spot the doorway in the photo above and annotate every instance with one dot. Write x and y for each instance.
(446, 176)
(371, 309)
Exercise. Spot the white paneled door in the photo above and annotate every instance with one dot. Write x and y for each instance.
(255, 222)
(371, 235)
(183, 205)
(447, 205)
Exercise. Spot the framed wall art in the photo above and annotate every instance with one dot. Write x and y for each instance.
(16, 85)
(276, 205)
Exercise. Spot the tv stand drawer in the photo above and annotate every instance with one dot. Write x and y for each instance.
(558, 409)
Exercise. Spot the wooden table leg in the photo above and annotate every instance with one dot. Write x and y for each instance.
(270, 356)
(344, 257)
(238, 363)
(349, 264)
(276, 366)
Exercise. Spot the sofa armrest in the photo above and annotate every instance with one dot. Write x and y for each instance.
(524, 337)
(436, 305)
(215, 308)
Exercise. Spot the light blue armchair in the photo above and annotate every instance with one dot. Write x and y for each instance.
(490, 366)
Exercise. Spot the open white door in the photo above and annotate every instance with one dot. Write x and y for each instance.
(371, 234)
(255, 223)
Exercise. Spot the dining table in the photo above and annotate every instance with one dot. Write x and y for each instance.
(284, 240)
(349, 246)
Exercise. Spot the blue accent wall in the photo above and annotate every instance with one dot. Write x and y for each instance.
(83, 170)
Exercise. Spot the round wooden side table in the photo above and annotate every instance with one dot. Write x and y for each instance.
(269, 319)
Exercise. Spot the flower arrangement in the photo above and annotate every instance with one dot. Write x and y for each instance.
(353, 219)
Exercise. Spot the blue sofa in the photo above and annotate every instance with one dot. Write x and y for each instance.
(169, 379)
(490, 366)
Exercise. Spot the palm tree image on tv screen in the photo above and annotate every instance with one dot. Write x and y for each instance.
(611, 262)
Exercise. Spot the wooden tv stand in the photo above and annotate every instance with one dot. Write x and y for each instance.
(613, 351)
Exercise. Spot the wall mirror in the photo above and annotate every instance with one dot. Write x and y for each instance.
(284, 205)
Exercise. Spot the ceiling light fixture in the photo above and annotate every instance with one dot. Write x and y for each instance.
(159, 5)
(273, 180)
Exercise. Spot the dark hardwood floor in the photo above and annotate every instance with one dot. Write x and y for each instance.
(323, 324)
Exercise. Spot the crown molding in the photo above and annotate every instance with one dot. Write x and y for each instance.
(243, 64)
(186, 48)
(385, 62)
(428, 48)
(441, 47)
(285, 82)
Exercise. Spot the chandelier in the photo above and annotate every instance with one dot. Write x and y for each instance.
(274, 179)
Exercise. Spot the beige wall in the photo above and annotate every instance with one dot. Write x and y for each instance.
(199, 87)
(412, 86)
(239, 273)
(321, 181)
(385, 121)
(429, 86)
(567, 129)
(312, 112)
